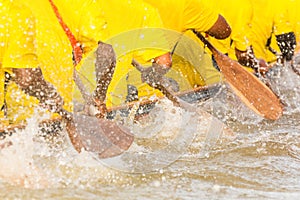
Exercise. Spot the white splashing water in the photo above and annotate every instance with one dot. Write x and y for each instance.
(35, 161)
(17, 163)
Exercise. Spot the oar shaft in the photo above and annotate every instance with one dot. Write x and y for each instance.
(137, 66)
(207, 43)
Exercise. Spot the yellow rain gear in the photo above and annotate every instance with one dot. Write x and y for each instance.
(270, 17)
(238, 14)
(293, 11)
(181, 16)
(90, 21)
(17, 50)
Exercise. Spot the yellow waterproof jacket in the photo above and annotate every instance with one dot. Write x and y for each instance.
(269, 17)
(90, 21)
(238, 14)
(293, 11)
(17, 50)
(182, 16)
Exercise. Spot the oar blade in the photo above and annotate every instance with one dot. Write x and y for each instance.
(101, 136)
(250, 89)
(255, 94)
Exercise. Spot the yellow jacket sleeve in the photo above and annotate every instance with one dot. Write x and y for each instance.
(269, 17)
(181, 15)
(242, 12)
(198, 15)
(93, 21)
(17, 34)
(282, 22)
(108, 21)
(295, 20)
(238, 13)
(18, 27)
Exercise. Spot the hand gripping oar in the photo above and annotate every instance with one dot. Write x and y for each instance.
(256, 95)
(100, 136)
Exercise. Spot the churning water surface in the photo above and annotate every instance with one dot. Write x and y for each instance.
(171, 157)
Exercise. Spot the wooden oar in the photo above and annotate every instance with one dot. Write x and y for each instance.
(97, 135)
(71, 129)
(256, 95)
(103, 137)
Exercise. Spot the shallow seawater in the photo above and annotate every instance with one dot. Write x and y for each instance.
(170, 158)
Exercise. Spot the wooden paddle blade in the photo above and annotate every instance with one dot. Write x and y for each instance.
(255, 94)
(73, 135)
(102, 136)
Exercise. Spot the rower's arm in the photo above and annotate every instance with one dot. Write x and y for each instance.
(220, 30)
(32, 82)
